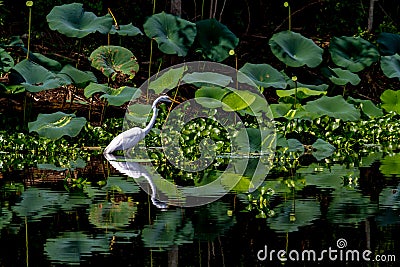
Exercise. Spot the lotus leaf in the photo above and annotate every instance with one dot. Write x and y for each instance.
(167, 80)
(215, 39)
(126, 30)
(295, 145)
(201, 78)
(335, 107)
(138, 114)
(390, 165)
(390, 66)
(172, 34)
(210, 96)
(73, 21)
(322, 149)
(238, 100)
(57, 124)
(6, 61)
(115, 97)
(391, 101)
(46, 62)
(352, 53)
(264, 75)
(37, 78)
(389, 43)
(295, 50)
(368, 107)
(279, 110)
(301, 92)
(74, 76)
(113, 60)
(343, 77)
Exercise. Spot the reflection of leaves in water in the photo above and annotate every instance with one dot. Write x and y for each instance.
(212, 220)
(305, 212)
(389, 203)
(121, 184)
(112, 215)
(5, 217)
(37, 203)
(170, 228)
(349, 207)
(70, 247)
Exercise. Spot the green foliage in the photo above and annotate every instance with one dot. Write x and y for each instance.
(264, 75)
(390, 66)
(295, 50)
(6, 61)
(172, 34)
(114, 96)
(73, 21)
(391, 101)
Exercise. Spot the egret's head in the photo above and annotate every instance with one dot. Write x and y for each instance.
(163, 98)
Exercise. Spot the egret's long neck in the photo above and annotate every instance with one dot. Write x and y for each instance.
(152, 121)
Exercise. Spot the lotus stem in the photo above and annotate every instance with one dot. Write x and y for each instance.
(286, 4)
(29, 4)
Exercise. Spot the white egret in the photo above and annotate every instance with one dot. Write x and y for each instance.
(131, 137)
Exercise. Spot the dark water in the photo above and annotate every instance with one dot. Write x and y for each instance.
(333, 207)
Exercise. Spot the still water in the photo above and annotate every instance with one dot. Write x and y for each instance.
(315, 218)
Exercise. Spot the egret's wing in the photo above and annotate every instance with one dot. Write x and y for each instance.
(125, 140)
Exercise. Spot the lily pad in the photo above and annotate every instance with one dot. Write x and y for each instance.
(264, 75)
(295, 50)
(114, 96)
(391, 101)
(215, 39)
(237, 100)
(72, 75)
(73, 21)
(37, 78)
(390, 66)
(167, 80)
(335, 107)
(353, 53)
(172, 34)
(322, 149)
(113, 60)
(343, 77)
(368, 107)
(6, 61)
(57, 124)
(126, 30)
(389, 43)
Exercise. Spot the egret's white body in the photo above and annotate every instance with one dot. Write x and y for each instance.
(131, 137)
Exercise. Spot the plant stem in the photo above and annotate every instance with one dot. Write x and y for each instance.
(29, 32)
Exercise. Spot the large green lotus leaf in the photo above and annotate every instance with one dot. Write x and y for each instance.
(322, 149)
(335, 107)
(112, 60)
(206, 78)
(390, 66)
(126, 30)
(391, 101)
(57, 124)
(215, 39)
(172, 34)
(390, 165)
(295, 50)
(210, 96)
(343, 77)
(301, 92)
(138, 114)
(37, 78)
(352, 53)
(119, 96)
(389, 43)
(237, 100)
(114, 96)
(6, 61)
(368, 107)
(264, 75)
(73, 21)
(74, 76)
(167, 80)
(46, 62)
(279, 110)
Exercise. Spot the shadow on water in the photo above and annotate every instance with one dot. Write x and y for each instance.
(124, 217)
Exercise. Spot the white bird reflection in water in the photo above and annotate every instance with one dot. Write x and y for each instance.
(136, 170)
